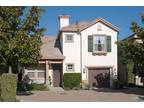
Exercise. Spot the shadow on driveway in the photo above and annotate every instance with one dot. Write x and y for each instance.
(24, 93)
(137, 91)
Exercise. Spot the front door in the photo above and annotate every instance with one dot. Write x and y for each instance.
(57, 70)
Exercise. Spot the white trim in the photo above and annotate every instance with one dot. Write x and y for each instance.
(105, 43)
(69, 41)
(72, 67)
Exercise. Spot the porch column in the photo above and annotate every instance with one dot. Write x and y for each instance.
(47, 72)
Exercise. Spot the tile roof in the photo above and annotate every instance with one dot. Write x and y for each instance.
(83, 25)
(51, 48)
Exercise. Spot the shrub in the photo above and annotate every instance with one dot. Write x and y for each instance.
(117, 84)
(41, 87)
(21, 86)
(8, 87)
(72, 80)
(0, 87)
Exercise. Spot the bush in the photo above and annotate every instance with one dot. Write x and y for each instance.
(21, 86)
(40, 87)
(31, 87)
(72, 80)
(8, 87)
(0, 87)
(117, 84)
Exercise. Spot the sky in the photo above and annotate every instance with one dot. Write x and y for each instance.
(121, 17)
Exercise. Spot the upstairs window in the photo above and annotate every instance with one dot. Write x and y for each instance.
(69, 38)
(99, 44)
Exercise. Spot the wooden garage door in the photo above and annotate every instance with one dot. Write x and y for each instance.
(99, 77)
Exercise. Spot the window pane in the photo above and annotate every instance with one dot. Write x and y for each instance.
(69, 37)
(99, 47)
(41, 74)
(31, 74)
(70, 67)
(100, 39)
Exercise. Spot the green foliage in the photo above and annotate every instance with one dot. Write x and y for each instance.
(72, 80)
(0, 88)
(31, 87)
(20, 35)
(130, 73)
(22, 86)
(41, 87)
(117, 84)
(8, 87)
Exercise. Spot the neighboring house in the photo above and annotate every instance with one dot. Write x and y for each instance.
(123, 74)
(88, 48)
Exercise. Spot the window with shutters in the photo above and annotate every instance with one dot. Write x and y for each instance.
(98, 44)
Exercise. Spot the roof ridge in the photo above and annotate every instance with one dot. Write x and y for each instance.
(80, 26)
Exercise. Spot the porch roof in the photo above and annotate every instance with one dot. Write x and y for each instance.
(51, 48)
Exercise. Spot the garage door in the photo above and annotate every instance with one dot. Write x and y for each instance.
(99, 77)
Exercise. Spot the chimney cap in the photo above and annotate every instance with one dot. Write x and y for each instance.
(64, 16)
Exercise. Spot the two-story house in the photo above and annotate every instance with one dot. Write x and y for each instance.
(88, 48)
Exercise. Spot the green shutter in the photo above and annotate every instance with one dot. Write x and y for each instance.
(90, 43)
(108, 43)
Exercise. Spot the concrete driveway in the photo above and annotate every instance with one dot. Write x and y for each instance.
(99, 95)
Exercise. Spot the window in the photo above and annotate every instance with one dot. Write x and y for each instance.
(41, 74)
(99, 28)
(31, 74)
(70, 67)
(99, 44)
(69, 38)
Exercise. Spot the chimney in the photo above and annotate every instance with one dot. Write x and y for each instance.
(64, 20)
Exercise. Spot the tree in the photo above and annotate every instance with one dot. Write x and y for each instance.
(20, 35)
(130, 51)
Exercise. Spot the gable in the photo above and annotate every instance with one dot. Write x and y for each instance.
(80, 26)
(99, 28)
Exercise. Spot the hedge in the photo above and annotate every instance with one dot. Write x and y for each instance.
(41, 87)
(72, 80)
(117, 84)
(0, 88)
(8, 87)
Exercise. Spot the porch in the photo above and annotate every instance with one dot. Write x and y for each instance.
(47, 71)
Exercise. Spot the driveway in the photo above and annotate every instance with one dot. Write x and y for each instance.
(99, 95)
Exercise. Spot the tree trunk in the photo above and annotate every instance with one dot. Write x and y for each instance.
(10, 69)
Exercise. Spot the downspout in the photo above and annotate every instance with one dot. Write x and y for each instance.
(80, 53)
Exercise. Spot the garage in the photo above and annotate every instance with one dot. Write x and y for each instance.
(99, 77)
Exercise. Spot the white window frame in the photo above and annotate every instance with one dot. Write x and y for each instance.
(105, 43)
(73, 67)
(40, 72)
(31, 72)
(67, 40)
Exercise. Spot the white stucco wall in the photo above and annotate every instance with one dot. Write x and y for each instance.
(99, 60)
(71, 51)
